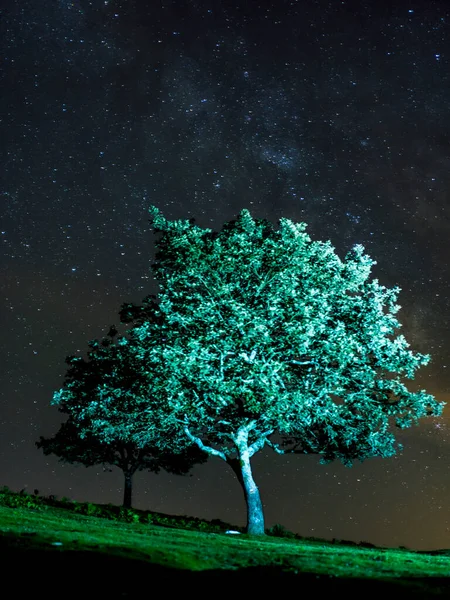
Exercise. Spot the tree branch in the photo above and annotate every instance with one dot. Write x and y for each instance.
(275, 447)
(202, 446)
(306, 362)
(247, 358)
(280, 380)
(212, 295)
(256, 446)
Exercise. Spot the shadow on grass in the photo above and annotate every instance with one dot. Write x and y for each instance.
(64, 574)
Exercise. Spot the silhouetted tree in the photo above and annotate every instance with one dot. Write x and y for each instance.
(108, 374)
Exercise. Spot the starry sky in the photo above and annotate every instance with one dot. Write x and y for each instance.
(334, 113)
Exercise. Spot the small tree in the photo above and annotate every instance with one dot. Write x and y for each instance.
(267, 332)
(96, 397)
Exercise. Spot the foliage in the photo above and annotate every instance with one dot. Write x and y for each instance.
(269, 331)
(278, 530)
(19, 500)
(97, 396)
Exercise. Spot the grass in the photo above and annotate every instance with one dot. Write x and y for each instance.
(61, 549)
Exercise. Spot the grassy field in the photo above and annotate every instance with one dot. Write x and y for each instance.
(56, 551)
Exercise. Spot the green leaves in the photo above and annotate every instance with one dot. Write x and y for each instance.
(252, 324)
(264, 324)
(115, 402)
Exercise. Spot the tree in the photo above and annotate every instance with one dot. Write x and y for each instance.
(267, 332)
(108, 374)
(89, 451)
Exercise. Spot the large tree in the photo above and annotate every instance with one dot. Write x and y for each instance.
(96, 397)
(266, 333)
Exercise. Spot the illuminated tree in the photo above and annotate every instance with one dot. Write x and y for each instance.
(96, 397)
(269, 333)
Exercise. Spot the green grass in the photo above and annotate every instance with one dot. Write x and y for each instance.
(60, 551)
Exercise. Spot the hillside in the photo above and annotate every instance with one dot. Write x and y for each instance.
(56, 551)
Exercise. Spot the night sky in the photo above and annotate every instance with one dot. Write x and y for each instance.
(331, 113)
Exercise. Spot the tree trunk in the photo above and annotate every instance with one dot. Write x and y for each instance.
(128, 489)
(255, 513)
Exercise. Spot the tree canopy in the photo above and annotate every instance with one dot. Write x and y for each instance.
(100, 428)
(268, 332)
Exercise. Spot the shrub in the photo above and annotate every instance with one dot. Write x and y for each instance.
(11, 499)
(278, 530)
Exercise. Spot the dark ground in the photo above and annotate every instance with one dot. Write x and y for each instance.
(55, 573)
